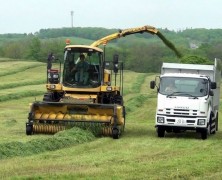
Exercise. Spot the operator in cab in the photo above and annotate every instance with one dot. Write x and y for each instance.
(82, 67)
(171, 88)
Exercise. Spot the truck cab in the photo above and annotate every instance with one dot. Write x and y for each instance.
(187, 98)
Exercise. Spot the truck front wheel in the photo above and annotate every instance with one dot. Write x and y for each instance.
(160, 131)
(204, 133)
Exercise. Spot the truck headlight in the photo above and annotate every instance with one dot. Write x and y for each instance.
(201, 122)
(160, 119)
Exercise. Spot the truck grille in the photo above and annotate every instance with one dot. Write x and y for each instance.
(181, 112)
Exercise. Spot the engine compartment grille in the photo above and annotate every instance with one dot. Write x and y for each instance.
(181, 112)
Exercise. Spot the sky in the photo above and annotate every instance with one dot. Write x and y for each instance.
(29, 16)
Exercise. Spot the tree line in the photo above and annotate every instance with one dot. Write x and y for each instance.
(140, 52)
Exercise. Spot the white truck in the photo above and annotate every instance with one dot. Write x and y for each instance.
(191, 102)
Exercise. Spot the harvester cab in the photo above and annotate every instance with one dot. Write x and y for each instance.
(83, 67)
(85, 91)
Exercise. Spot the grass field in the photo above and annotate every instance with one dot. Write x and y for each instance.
(77, 154)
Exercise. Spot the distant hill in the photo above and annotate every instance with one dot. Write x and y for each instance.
(143, 48)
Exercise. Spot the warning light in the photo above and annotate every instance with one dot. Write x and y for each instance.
(68, 41)
(104, 43)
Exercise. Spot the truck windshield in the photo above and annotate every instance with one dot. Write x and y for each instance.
(183, 86)
(82, 70)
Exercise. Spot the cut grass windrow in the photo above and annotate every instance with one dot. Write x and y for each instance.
(137, 101)
(60, 140)
(24, 68)
(135, 87)
(20, 95)
(14, 60)
(139, 82)
(19, 84)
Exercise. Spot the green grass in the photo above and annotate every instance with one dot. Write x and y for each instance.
(12, 67)
(78, 154)
(20, 83)
(19, 94)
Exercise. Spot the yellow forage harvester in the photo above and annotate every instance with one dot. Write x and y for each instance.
(80, 93)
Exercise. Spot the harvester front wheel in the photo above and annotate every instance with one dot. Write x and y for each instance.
(115, 133)
(47, 97)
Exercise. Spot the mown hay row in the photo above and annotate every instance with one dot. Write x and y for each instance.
(20, 95)
(19, 84)
(60, 140)
(21, 69)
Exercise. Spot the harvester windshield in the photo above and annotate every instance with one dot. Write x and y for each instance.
(82, 67)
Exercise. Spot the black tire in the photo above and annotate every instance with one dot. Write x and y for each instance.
(29, 129)
(160, 131)
(52, 97)
(124, 116)
(204, 133)
(115, 133)
(118, 100)
(216, 122)
(214, 131)
(47, 97)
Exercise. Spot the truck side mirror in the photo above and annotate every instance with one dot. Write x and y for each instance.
(152, 84)
(213, 85)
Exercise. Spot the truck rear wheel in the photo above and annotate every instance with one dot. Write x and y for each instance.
(160, 131)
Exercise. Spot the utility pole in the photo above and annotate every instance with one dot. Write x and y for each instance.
(72, 13)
